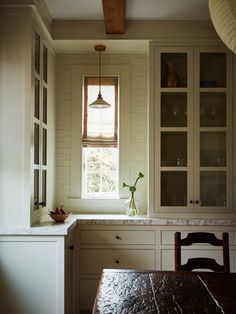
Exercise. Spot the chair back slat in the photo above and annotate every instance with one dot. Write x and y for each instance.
(202, 262)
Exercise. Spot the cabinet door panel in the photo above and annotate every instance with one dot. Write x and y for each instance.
(212, 109)
(213, 188)
(173, 188)
(212, 69)
(173, 109)
(172, 154)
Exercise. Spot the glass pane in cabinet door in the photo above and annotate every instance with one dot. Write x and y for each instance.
(37, 52)
(212, 110)
(44, 188)
(45, 64)
(44, 149)
(173, 110)
(173, 149)
(213, 188)
(212, 149)
(36, 99)
(174, 70)
(36, 189)
(36, 144)
(212, 69)
(45, 101)
(173, 188)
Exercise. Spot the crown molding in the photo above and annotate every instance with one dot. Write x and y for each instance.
(139, 30)
(39, 5)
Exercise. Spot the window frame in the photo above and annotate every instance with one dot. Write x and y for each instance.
(99, 142)
(75, 198)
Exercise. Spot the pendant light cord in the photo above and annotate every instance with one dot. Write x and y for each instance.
(99, 73)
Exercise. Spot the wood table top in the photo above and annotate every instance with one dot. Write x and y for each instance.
(134, 291)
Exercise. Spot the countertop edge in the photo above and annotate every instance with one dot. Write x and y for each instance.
(50, 228)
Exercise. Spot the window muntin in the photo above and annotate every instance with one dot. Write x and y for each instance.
(100, 141)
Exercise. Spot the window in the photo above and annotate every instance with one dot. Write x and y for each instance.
(100, 175)
(76, 198)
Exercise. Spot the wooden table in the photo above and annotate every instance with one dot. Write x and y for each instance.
(132, 291)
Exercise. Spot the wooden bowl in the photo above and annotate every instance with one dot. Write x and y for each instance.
(59, 217)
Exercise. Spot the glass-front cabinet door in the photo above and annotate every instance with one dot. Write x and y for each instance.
(192, 130)
(213, 130)
(173, 102)
(40, 128)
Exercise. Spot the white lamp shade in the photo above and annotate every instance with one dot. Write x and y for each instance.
(223, 16)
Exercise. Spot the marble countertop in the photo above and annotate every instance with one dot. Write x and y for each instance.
(49, 227)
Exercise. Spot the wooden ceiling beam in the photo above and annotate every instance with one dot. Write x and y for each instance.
(114, 16)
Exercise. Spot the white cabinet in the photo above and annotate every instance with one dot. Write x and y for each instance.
(40, 125)
(36, 274)
(134, 247)
(24, 93)
(111, 247)
(192, 106)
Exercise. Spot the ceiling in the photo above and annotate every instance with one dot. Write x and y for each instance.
(135, 9)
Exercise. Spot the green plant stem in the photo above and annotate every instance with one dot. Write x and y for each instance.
(132, 202)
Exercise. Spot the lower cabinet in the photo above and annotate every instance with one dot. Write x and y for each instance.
(36, 274)
(103, 247)
(135, 247)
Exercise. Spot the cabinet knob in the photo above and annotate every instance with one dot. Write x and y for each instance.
(117, 261)
(118, 237)
(71, 247)
(197, 202)
(191, 201)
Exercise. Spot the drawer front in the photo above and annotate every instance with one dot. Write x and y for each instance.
(168, 237)
(93, 261)
(138, 237)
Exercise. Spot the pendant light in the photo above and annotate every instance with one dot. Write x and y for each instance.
(223, 16)
(99, 103)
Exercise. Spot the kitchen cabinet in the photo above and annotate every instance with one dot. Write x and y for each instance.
(111, 247)
(40, 117)
(144, 247)
(192, 131)
(27, 121)
(37, 274)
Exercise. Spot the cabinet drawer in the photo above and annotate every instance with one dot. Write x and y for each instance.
(117, 237)
(168, 237)
(93, 261)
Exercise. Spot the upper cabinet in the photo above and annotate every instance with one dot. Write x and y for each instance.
(192, 138)
(40, 109)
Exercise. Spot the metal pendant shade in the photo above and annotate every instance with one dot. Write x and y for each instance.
(99, 103)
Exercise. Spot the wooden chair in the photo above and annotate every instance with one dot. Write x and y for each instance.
(202, 262)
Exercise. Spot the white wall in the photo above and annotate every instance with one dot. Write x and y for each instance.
(138, 116)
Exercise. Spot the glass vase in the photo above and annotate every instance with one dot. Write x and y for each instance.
(132, 206)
